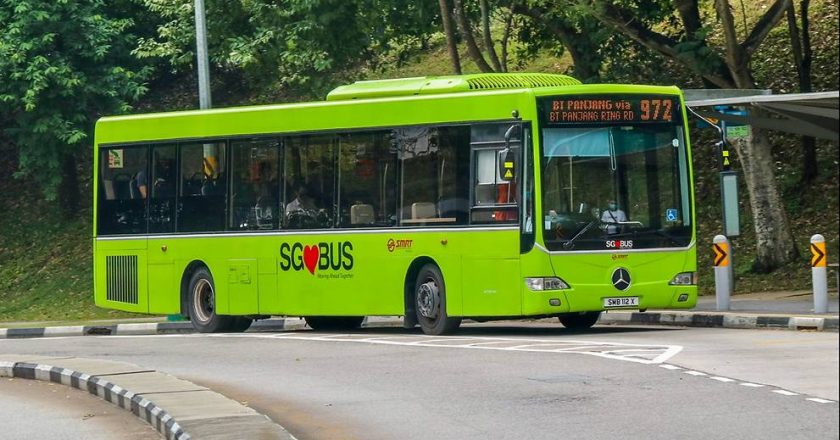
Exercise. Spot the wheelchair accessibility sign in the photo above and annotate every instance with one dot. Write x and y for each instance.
(671, 215)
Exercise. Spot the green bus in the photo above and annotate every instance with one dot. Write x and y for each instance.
(490, 196)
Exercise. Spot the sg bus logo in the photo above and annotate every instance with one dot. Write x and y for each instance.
(321, 256)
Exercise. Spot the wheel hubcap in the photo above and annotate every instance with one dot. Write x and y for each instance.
(203, 300)
(428, 299)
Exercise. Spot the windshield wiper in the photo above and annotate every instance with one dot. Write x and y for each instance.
(569, 244)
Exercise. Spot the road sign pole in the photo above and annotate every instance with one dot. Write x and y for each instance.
(819, 275)
(723, 272)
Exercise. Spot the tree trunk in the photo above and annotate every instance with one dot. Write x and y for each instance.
(451, 42)
(469, 40)
(489, 46)
(809, 144)
(68, 192)
(774, 241)
(586, 63)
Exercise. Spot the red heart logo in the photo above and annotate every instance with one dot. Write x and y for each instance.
(311, 254)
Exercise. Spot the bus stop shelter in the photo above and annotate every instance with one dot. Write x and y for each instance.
(806, 114)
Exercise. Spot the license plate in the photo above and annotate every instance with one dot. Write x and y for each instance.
(624, 301)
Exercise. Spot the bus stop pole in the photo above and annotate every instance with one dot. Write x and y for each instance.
(819, 275)
(723, 272)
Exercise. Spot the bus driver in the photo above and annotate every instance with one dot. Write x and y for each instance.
(613, 217)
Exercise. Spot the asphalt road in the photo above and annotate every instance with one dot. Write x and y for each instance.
(31, 409)
(506, 381)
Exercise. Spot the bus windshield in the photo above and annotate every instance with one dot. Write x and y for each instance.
(615, 187)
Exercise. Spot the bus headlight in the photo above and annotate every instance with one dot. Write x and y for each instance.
(547, 283)
(684, 279)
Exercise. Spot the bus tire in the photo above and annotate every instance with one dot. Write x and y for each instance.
(430, 302)
(334, 323)
(202, 304)
(579, 320)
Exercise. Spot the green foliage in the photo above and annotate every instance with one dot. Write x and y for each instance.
(62, 63)
(297, 43)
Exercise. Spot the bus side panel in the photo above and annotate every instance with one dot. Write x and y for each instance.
(268, 301)
(490, 283)
(120, 275)
(164, 285)
(243, 279)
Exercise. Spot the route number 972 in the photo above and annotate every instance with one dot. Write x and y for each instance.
(656, 109)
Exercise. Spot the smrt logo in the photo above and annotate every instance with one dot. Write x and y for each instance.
(321, 256)
(398, 244)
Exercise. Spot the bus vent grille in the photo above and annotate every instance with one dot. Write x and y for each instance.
(121, 278)
(519, 80)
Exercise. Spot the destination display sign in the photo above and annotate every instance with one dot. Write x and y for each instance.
(609, 109)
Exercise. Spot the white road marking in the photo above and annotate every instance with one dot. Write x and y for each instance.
(696, 373)
(751, 385)
(722, 379)
(785, 393)
(638, 353)
(818, 400)
(670, 367)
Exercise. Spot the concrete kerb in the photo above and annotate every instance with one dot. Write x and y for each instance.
(187, 410)
(735, 320)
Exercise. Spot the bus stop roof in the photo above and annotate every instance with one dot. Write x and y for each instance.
(808, 114)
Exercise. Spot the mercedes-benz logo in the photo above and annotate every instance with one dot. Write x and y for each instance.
(621, 278)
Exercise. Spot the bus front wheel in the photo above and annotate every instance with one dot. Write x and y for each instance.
(202, 302)
(579, 320)
(430, 302)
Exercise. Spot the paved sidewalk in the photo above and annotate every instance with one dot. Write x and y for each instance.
(176, 408)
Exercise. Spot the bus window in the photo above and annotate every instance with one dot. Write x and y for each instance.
(123, 188)
(435, 175)
(367, 180)
(255, 197)
(201, 203)
(495, 192)
(162, 189)
(309, 189)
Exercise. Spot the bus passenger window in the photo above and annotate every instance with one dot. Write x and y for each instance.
(309, 190)
(123, 187)
(435, 175)
(367, 180)
(201, 203)
(162, 189)
(255, 196)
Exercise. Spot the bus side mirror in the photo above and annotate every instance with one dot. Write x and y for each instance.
(507, 161)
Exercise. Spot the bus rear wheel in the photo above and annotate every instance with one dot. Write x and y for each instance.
(202, 303)
(579, 320)
(430, 302)
(334, 323)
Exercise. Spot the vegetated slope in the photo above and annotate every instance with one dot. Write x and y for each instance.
(45, 261)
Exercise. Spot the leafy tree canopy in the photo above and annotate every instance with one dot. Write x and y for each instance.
(63, 63)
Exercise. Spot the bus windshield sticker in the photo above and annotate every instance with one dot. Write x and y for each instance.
(115, 159)
(671, 215)
(618, 244)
